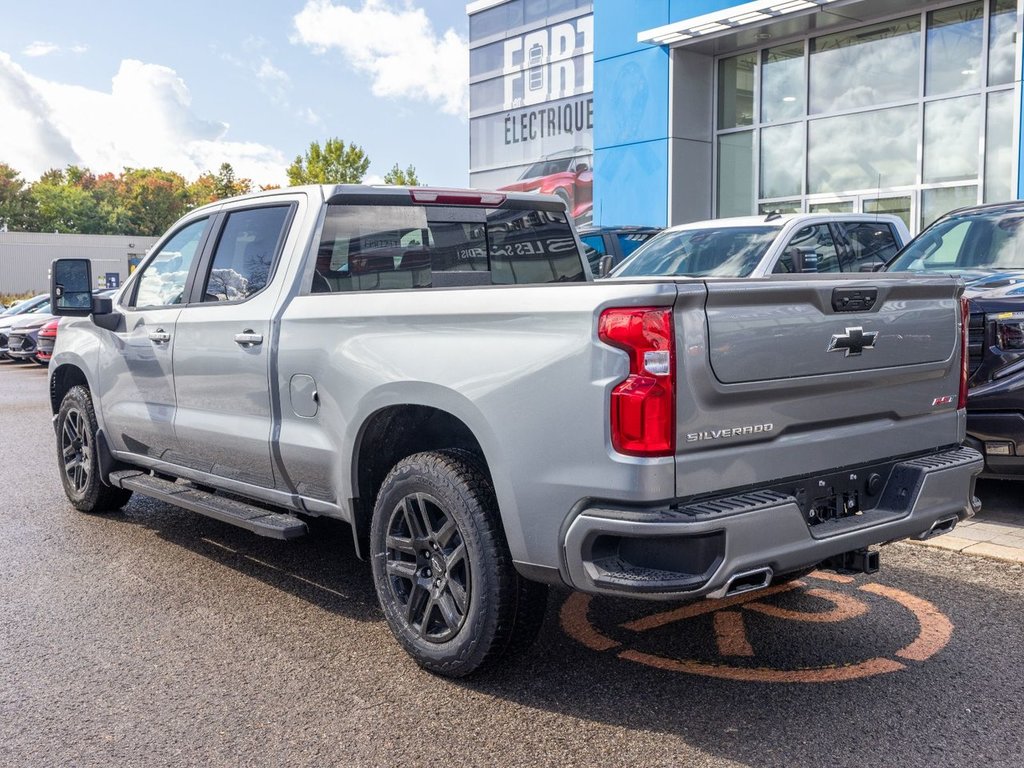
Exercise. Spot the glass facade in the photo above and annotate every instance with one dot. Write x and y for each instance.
(912, 115)
(531, 105)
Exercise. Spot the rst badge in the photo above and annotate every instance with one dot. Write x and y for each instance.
(853, 342)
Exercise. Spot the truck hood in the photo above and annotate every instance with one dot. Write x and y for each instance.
(994, 284)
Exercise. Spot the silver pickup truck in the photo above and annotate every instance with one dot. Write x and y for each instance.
(438, 369)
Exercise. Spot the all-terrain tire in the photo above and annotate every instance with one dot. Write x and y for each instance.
(443, 570)
(77, 456)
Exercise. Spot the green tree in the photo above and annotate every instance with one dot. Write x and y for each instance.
(151, 199)
(406, 178)
(64, 202)
(15, 201)
(335, 163)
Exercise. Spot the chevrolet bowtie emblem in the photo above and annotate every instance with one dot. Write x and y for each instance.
(853, 342)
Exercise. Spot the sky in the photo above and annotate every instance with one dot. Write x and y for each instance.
(186, 86)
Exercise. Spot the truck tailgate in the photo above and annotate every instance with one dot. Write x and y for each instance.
(826, 369)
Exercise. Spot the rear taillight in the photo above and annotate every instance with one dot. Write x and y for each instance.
(965, 321)
(643, 406)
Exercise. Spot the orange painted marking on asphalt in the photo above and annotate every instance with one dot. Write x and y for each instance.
(838, 578)
(846, 608)
(705, 606)
(731, 634)
(877, 666)
(574, 621)
(936, 629)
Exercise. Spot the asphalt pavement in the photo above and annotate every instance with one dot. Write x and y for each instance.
(156, 637)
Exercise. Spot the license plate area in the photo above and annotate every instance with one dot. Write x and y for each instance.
(840, 495)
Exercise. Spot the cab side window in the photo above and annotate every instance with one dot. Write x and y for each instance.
(246, 253)
(162, 282)
(811, 249)
(867, 244)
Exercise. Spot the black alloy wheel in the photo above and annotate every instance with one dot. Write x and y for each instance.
(442, 567)
(428, 571)
(77, 456)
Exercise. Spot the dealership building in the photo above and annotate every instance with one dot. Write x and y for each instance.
(659, 112)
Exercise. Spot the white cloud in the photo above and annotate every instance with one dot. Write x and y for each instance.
(39, 48)
(79, 48)
(145, 120)
(307, 115)
(397, 47)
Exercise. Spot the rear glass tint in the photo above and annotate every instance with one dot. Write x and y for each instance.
(380, 247)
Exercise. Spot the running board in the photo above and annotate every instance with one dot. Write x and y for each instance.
(260, 521)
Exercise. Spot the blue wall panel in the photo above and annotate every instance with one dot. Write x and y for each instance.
(617, 23)
(631, 108)
(634, 184)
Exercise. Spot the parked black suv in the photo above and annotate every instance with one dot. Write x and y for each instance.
(985, 246)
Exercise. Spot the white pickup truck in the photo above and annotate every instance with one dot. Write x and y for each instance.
(759, 246)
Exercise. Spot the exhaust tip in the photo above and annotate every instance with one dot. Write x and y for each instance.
(939, 527)
(748, 581)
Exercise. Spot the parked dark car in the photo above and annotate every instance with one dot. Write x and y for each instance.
(46, 339)
(23, 334)
(985, 246)
(617, 242)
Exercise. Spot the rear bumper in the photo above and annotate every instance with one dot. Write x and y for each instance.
(703, 549)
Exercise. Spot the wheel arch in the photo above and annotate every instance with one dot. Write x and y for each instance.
(387, 436)
(62, 379)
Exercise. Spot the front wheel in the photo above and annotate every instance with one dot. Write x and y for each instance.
(443, 570)
(78, 459)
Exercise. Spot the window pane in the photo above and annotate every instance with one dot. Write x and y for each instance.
(245, 255)
(1001, 41)
(490, 59)
(780, 206)
(495, 20)
(897, 206)
(368, 248)
(811, 249)
(951, 133)
(935, 202)
(867, 244)
(999, 158)
(782, 160)
(736, 91)
(836, 206)
(866, 66)
(953, 57)
(736, 174)
(531, 247)
(837, 156)
(163, 281)
(782, 83)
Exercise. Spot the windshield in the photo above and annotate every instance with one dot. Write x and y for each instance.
(28, 305)
(989, 240)
(725, 252)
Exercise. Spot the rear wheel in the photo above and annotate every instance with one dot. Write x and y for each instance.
(78, 459)
(443, 570)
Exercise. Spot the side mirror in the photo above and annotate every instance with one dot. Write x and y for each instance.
(604, 266)
(71, 287)
(804, 259)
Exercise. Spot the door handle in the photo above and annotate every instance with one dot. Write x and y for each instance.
(160, 336)
(248, 338)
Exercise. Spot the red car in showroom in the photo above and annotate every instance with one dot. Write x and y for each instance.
(568, 174)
